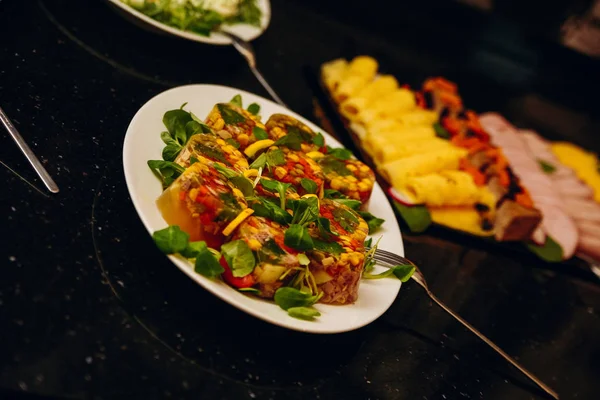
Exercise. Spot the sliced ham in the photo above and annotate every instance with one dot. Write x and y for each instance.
(547, 200)
(502, 133)
(589, 228)
(560, 227)
(534, 142)
(539, 236)
(573, 187)
(590, 246)
(583, 210)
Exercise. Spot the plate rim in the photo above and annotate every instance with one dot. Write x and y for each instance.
(215, 38)
(184, 265)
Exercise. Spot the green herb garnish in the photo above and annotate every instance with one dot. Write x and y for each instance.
(328, 247)
(297, 237)
(276, 187)
(230, 116)
(306, 313)
(206, 264)
(287, 297)
(550, 251)
(266, 208)
(318, 139)
(233, 142)
(546, 167)
(236, 100)
(259, 133)
(166, 171)
(402, 272)
(254, 109)
(239, 257)
(340, 153)
(440, 131)
(175, 122)
(373, 222)
(416, 217)
(171, 240)
(309, 185)
(332, 164)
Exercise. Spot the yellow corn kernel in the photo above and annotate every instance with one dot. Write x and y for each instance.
(351, 167)
(315, 155)
(280, 172)
(228, 149)
(254, 244)
(293, 157)
(337, 184)
(353, 187)
(219, 124)
(238, 193)
(363, 187)
(277, 131)
(351, 178)
(364, 168)
(344, 258)
(251, 173)
(243, 139)
(193, 194)
(252, 229)
(237, 220)
(354, 259)
(220, 141)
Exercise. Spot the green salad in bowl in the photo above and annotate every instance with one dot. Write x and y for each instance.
(199, 16)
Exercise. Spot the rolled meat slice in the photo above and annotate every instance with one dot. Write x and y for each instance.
(590, 246)
(560, 227)
(202, 202)
(573, 187)
(536, 144)
(589, 228)
(583, 210)
(213, 148)
(352, 178)
(232, 122)
(301, 137)
(338, 274)
(265, 238)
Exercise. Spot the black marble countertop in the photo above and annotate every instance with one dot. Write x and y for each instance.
(90, 309)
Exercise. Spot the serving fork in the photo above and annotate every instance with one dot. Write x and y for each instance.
(390, 259)
(247, 51)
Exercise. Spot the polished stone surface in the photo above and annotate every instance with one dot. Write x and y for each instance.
(90, 309)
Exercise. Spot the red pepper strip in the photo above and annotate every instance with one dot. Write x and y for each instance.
(182, 195)
(504, 177)
(243, 282)
(524, 199)
(478, 177)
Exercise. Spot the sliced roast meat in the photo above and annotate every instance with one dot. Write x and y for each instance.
(583, 210)
(560, 227)
(539, 236)
(589, 228)
(573, 187)
(590, 246)
(515, 222)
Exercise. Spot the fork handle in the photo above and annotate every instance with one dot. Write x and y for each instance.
(498, 350)
(266, 85)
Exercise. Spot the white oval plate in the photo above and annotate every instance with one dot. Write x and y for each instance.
(143, 143)
(244, 31)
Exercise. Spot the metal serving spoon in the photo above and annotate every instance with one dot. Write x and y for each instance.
(392, 259)
(33, 160)
(246, 50)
